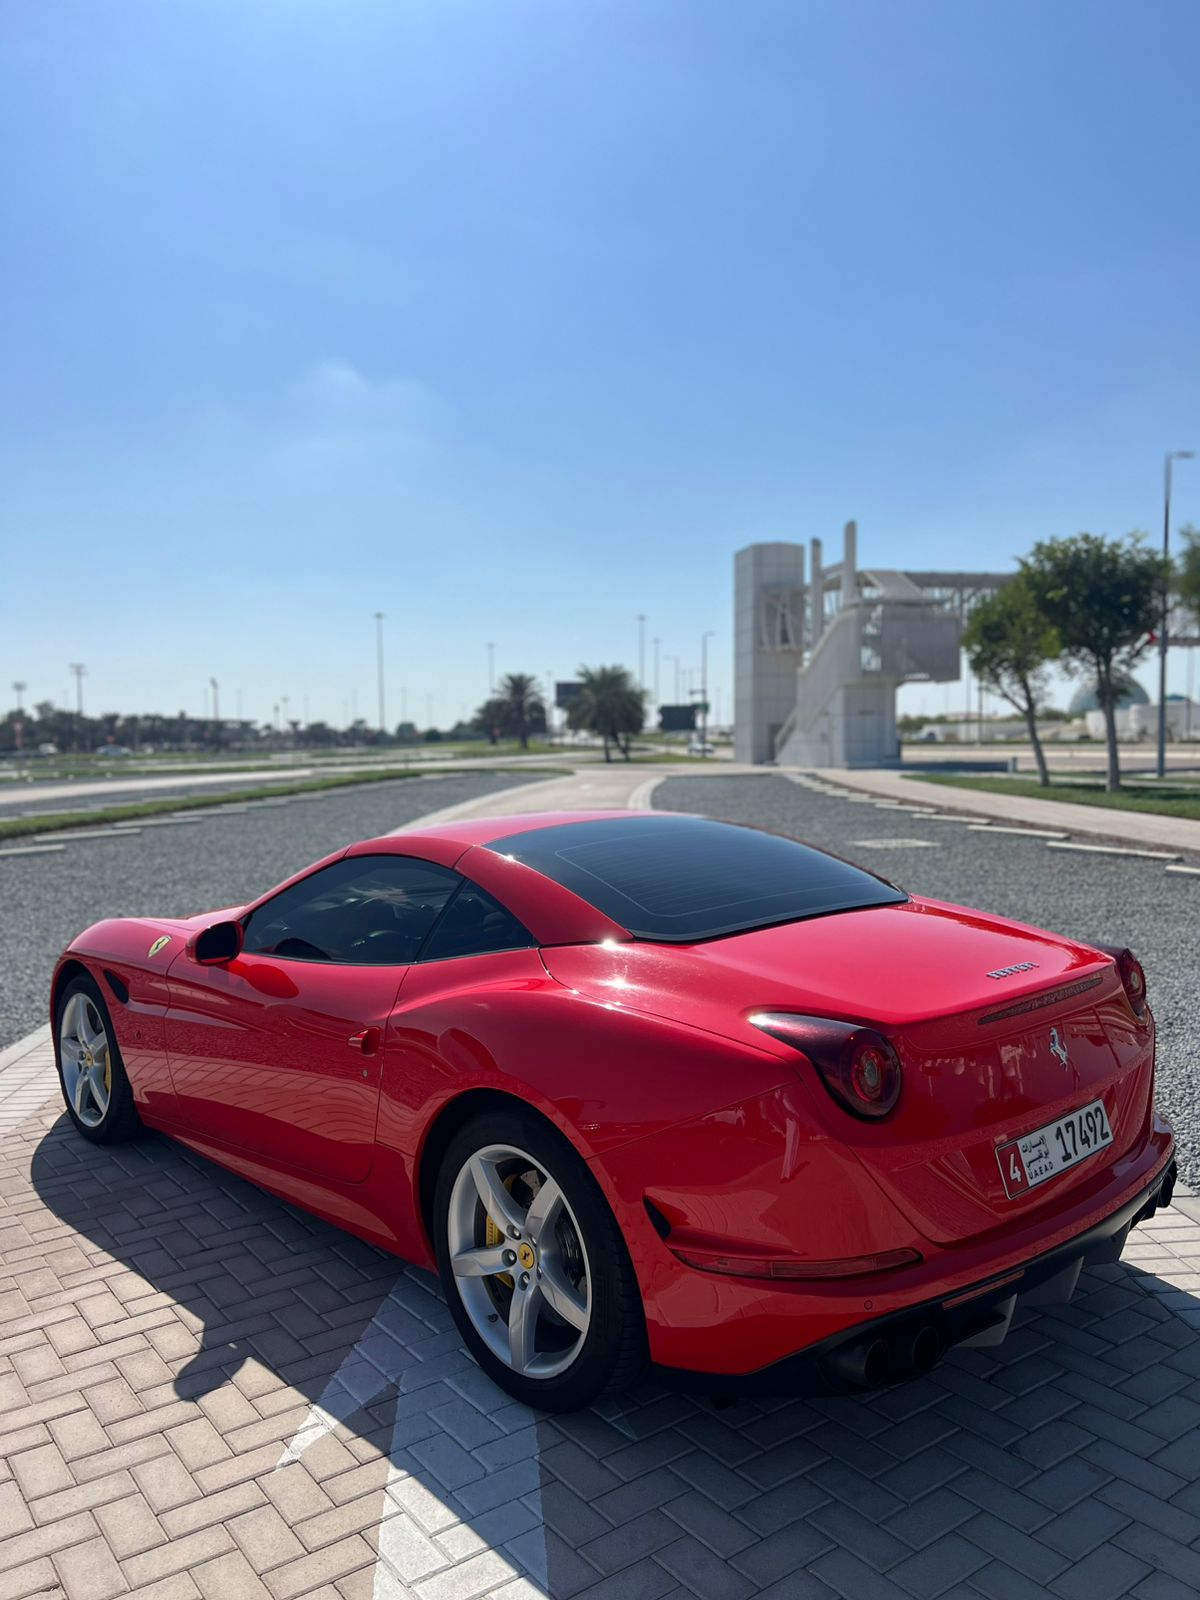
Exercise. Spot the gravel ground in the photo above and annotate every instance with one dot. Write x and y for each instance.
(1107, 898)
(175, 871)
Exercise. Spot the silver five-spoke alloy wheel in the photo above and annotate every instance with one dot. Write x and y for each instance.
(86, 1059)
(519, 1261)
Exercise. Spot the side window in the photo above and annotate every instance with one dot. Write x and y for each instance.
(473, 924)
(361, 911)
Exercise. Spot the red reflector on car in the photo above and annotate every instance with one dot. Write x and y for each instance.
(983, 1288)
(792, 1269)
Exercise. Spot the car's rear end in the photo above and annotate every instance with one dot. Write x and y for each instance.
(967, 1121)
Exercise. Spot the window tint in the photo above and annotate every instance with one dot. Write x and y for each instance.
(472, 924)
(363, 911)
(686, 878)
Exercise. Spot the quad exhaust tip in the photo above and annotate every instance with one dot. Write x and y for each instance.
(874, 1362)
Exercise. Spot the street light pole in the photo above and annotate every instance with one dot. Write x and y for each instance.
(379, 670)
(1171, 457)
(641, 622)
(19, 688)
(657, 696)
(704, 638)
(80, 671)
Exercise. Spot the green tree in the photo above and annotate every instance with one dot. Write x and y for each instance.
(1009, 642)
(515, 711)
(609, 705)
(1103, 599)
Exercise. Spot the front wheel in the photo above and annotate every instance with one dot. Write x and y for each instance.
(533, 1264)
(95, 1088)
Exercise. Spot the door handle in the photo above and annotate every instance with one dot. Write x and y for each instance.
(367, 1041)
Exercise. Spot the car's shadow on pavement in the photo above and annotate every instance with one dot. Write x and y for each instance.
(312, 1392)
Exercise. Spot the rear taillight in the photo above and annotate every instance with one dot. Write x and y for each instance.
(858, 1066)
(1133, 978)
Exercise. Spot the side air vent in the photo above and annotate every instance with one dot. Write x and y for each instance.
(118, 986)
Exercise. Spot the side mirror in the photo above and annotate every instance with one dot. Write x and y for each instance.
(218, 944)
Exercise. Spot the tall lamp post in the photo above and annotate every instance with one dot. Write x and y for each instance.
(379, 669)
(641, 622)
(704, 638)
(80, 672)
(1168, 460)
(19, 688)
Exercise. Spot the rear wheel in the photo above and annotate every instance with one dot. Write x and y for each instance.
(533, 1264)
(95, 1088)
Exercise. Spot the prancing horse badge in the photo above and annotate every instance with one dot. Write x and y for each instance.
(1058, 1048)
(158, 945)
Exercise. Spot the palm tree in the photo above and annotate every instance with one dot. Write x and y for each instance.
(610, 705)
(515, 710)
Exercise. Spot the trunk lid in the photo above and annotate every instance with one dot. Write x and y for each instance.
(982, 1012)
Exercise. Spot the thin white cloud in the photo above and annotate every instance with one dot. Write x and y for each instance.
(335, 403)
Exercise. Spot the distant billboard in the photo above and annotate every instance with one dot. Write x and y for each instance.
(565, 694)
(677, 719)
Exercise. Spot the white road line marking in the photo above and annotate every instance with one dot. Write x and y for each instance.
(1028, 833)
(894, 844)
(32, 849)
(1114, 850)
(1192, 872)
(87, 833)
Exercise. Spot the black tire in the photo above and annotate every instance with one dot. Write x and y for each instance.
(613, 1351)
(120, 1121)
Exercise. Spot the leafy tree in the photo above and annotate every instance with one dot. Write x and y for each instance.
(515, 712)
(609, 705)
(1008, 642)
(1103, 598)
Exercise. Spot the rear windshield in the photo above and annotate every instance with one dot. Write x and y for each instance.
(685, 878)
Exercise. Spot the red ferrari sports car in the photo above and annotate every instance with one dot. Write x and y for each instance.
(644, 1086)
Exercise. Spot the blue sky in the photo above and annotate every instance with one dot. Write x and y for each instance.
(515, 320)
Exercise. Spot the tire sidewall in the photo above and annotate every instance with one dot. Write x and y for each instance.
(608, 1335)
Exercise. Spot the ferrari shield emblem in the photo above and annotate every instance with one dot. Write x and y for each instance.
(158, 945)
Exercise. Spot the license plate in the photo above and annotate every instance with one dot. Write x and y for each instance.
(1043, 1154)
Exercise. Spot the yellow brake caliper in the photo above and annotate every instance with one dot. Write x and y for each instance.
(493, 1236)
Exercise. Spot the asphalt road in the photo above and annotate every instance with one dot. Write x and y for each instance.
(175, 871)
(1111, 899)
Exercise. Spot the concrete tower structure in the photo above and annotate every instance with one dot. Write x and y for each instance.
(817, 665)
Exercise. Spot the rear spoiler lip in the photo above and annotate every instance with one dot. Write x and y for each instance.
(1042, 999)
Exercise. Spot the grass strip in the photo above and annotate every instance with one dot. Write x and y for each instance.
(62, 822)
(1158, 801)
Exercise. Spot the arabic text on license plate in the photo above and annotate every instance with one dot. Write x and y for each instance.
(1030, 1160)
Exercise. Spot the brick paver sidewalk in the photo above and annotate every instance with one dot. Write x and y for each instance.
(206, 1393)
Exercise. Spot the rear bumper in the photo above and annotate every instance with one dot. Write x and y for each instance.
(907, 1342)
